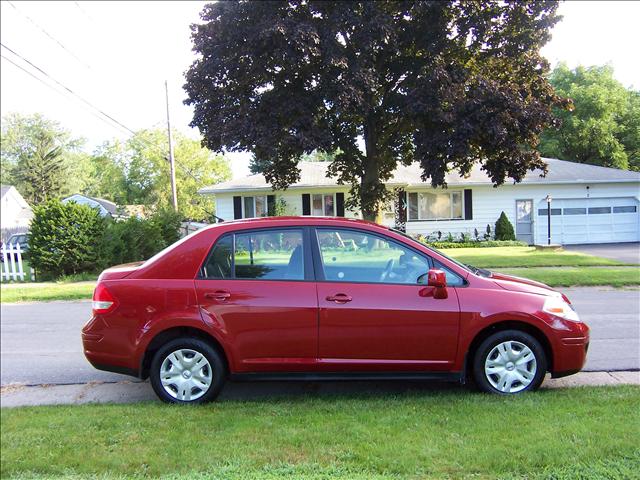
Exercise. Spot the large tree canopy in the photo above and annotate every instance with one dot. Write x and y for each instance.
(604, 127)
(445, 84)
(39, 157)
(137, 172)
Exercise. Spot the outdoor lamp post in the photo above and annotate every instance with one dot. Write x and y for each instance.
(548, 219)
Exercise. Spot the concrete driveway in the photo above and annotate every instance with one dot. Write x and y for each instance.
(40, 342)
(623, 252)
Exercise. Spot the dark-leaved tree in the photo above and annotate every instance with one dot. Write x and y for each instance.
(444, 84)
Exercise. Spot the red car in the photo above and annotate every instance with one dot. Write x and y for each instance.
(324, 298)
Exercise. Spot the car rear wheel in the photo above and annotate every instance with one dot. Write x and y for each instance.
(187, 370)
(509, 362)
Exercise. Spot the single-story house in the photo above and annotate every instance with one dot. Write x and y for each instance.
(106, 208)
(589, 204)
(15, 212)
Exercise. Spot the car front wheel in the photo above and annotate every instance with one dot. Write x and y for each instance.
(188, 371)
(509, 362)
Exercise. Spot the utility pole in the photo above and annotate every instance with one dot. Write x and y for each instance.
(172, 162)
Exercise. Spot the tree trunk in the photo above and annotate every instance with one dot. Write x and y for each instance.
(370, 181)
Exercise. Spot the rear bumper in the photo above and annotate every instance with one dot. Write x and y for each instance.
(99, 351)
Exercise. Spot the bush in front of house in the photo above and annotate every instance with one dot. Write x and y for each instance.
(504, 229)
(63, 239)
(72, 239)
(478, 244)
(135, 239)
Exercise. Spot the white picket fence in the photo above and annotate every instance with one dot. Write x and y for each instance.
(13, 265)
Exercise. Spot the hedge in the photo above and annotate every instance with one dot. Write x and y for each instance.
(479, 244)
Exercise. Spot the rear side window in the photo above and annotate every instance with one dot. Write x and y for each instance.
(266, 255)
(218, 265)
(270, 255)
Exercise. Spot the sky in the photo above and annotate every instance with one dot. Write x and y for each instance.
(117, 56)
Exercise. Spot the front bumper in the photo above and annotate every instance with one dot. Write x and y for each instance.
(571, 351)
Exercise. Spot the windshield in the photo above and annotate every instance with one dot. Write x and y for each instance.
(469, 268)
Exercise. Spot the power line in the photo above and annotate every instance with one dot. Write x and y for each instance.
(68, 89)
(60, 44)
(112, 119)
(53, 88)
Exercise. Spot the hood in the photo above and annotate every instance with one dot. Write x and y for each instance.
(519, 284)
(119, 271)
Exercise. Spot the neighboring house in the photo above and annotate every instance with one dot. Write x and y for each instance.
(590, 204)
(15, 212)
(106, 208)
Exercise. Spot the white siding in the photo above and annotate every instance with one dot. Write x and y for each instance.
(488, 203)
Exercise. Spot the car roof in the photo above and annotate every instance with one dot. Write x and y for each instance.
(298, 220)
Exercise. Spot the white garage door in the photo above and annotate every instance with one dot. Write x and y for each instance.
(589, 220)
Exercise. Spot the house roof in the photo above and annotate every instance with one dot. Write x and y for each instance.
(313, 174)
(110, 207)
(5, 189)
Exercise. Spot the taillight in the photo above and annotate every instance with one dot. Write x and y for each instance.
(103, 301)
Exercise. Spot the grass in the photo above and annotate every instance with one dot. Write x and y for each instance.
(589, 432)
(581, 276)
(43, 292)
(507, 257)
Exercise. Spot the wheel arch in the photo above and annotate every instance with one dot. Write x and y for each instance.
(509, 325)
(169, 334)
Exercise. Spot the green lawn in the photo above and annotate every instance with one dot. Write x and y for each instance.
(581, 276)
(556, 434)
(42, 292)
(506, 257)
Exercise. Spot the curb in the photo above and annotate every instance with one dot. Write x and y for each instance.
(19, 395)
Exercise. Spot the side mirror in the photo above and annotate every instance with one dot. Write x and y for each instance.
(436, 278)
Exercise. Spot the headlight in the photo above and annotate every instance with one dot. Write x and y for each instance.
(558, 307)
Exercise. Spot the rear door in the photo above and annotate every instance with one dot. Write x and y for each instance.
(375, 312)
(257, 288)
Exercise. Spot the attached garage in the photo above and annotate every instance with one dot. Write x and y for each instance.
(589, 220)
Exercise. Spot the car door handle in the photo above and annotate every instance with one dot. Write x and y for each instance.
(219, 295)
(339, 298)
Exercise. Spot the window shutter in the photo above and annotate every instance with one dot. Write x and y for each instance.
(339, 204)
(306, 204)
(468, 204)
(271, 205)
(237, 207)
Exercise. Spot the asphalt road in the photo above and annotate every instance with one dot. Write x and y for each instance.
(623, 252)
(40, 343)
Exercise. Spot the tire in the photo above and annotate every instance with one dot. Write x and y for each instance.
(188, 365)
(507, 371)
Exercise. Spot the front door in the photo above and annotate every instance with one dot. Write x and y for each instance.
(374, 313)
(257, 288)
(524, 221)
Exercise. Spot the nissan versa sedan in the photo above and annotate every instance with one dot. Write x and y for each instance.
(309, 298)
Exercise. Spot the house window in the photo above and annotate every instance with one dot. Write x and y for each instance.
(255, 206)
(435, 206)
(323, 205)
(542, 212)
(625, 209)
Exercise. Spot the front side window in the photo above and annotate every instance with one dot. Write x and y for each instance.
(269, 255)
(322, 205)
(255, 206)
(353, 256)
(435, 206)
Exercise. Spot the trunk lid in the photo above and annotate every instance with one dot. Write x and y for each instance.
(119, 271)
